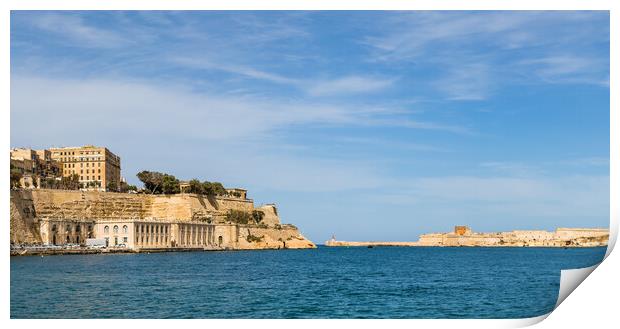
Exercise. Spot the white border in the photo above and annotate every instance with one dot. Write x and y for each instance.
(592, 305)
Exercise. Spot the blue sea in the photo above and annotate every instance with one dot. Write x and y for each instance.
(357, 282)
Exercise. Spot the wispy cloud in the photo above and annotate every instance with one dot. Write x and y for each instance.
(569, 69)
(348, 85)
(74, 29)
(210, 116)
(474, 51)
(465, 82)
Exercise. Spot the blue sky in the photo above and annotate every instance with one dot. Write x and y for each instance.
(368, 125)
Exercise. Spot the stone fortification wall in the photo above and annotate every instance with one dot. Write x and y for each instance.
(93, 205)
(30, 208)
(23, 226)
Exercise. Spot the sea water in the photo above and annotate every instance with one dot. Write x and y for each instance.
(356, 282)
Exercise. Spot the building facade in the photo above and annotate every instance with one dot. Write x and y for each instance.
(137, 234)
(96, 167)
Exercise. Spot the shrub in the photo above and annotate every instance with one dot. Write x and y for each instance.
(258, 215)
(238, 216)
(253, 238)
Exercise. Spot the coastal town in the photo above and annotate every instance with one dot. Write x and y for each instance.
(74, 200)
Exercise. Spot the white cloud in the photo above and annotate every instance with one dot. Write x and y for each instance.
(329, 87)
(76, 30)
(348, 85)
(465, 82)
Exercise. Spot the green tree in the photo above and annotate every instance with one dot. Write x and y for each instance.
(70, 182)
(152, 181)
(196, 187)
(213, 188)
(112, 186)
(170, 185)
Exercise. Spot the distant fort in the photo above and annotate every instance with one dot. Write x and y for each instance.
(463, 236)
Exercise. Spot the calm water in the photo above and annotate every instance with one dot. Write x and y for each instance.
(387, 282)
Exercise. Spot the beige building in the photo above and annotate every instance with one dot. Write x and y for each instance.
(96, 167)
(140, 234)
(34, 166)
(238, 193)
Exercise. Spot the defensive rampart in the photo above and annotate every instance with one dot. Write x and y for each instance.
(188, 220)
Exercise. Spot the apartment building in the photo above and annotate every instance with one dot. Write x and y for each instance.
(97, 167)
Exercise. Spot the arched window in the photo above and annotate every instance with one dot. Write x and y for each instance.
(54, 228)
(125, 229)
(106, 229)
(115, 229)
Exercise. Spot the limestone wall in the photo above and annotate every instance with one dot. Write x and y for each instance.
(269, 238)
(30, 206)
(24, 228)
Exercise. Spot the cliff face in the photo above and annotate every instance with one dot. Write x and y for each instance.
(28, 206)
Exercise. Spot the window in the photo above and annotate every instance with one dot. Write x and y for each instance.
(81, 164)
(99, 171)
(99, 165)
(125, 239)
(86, 164)
(81, 177)
(115, 229)
(125, 229)
(106, 229)
(99, 177)
(87, 169)
(68, 228)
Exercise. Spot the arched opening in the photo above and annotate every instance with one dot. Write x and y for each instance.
(77, 239)
(125, 229)
(106, 229)
(54, 239)
(68, 239)
(115, 229)
(220, 240)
